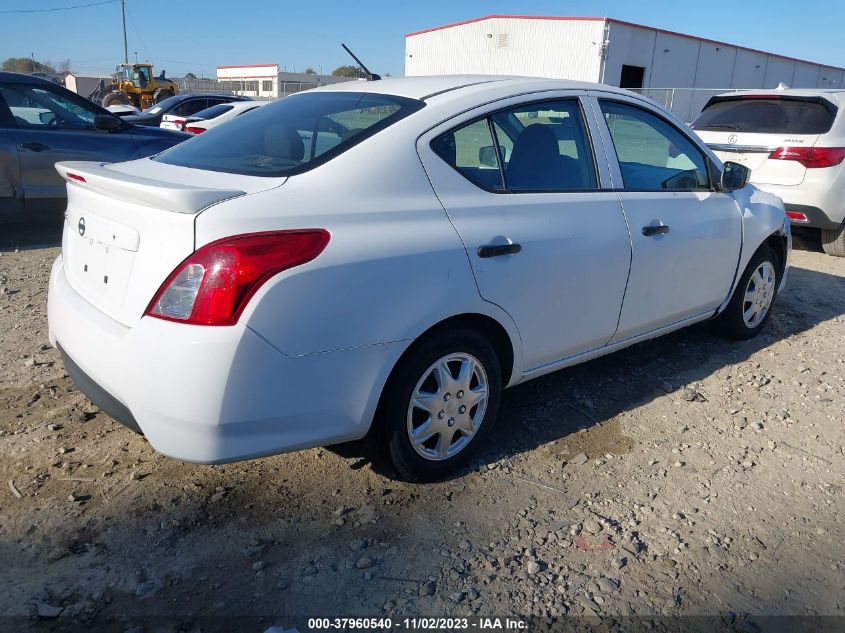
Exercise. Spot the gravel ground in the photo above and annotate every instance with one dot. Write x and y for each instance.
(683, 476)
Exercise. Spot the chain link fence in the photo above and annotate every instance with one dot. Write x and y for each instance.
(684, 103)
(249, 87)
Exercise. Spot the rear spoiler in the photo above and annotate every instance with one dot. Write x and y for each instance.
(158, 194)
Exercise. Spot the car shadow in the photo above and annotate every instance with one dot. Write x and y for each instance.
(31, 235)
(559, 405)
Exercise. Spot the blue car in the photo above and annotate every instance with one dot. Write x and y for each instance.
(42, 123)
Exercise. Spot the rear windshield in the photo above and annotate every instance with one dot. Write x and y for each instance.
(213, 111)
(292, 135)
(762, 116)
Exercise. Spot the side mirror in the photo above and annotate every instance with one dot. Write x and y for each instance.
(107, 123)
(734, 176)
(487, 156)
(46, 118)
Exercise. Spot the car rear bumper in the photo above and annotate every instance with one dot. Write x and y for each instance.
(214, 394)
(813, 217)
(824, 210)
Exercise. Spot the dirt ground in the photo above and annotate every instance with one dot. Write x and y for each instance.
(684, 476)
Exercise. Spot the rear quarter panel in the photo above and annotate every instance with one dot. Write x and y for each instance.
(394, 267)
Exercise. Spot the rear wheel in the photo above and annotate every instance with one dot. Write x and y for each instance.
(753, 298)
(833, 241)
(441, 400)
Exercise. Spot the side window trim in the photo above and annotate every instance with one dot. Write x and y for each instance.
(589, 139)
(610, 149)
(6, 118)
(500, 159)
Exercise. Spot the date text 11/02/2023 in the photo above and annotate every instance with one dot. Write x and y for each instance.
(418, 624)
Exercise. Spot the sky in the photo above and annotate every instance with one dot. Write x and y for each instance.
(183, 36)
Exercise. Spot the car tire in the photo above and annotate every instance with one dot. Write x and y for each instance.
(833, 241)
(754, 296)
(445, 391)
(161, 94)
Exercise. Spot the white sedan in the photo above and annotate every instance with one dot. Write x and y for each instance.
(380, 260)
(215, 115)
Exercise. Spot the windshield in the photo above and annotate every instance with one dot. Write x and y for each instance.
(761, 115)
(292, 135)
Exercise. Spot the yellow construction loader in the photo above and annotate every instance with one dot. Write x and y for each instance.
(134, 84)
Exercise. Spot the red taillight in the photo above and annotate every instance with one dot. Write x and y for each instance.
(76, 177)
(214, 285)
(811, 157)
(195, 130)
(796, 216)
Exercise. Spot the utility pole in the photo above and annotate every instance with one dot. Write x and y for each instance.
(125, 44)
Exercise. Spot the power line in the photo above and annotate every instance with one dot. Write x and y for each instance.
(76, 6)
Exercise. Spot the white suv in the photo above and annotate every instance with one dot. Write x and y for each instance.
(794, 143)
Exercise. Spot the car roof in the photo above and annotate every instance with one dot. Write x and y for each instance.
(23, 78)
(427, 87)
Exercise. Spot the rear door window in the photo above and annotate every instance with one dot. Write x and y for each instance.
(190, 107)
(761, 116)
(292, 135)
(541, 146)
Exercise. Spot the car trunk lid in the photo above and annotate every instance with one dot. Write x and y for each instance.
(128, 225)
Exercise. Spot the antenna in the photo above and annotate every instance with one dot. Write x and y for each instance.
(370, 76)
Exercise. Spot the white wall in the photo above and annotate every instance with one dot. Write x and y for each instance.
(561, 49)
(568, 48)
(750, 69)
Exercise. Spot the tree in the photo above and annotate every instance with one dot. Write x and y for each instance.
(190, 76)
(310, 71)
(349, 71)
(26, 65)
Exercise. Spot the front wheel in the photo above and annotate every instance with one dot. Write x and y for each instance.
(441, 400)
(753, 298)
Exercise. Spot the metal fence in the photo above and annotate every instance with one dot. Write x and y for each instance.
(248, 87)
(685, 103)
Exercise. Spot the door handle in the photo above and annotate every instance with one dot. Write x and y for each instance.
(497, 250)
(659, 229)
(35, 146)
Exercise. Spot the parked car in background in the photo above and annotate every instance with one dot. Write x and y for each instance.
(42, 123)
(123, 109)
(481, 232)
(220, 113)
(793, 141)
(176, 109)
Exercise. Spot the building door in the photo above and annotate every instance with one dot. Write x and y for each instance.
(632, 77)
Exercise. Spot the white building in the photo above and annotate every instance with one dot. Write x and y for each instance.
(253, 80)
(264, 81)
(603, 50)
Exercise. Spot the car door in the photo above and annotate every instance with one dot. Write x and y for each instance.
(11, 200)
(545, 242)
(686, 236)
(51, 124)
